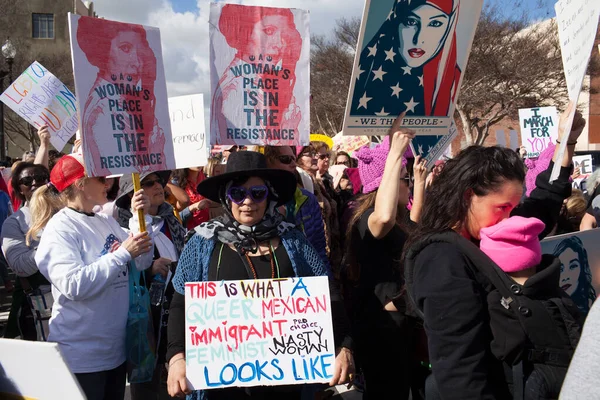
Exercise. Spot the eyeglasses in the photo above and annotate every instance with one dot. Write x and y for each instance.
(28, 180)
(408, 179)
(346, 163)
(238, 194)
(324, 156)
(287, 160)
(150, 183)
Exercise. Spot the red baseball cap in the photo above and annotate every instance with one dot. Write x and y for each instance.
(67, 171)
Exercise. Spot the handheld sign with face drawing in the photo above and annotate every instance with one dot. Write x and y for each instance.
(122, 97)
(411, 57)
(259, 75)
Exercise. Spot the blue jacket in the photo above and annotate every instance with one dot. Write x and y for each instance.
(195, 260)
(305, 212)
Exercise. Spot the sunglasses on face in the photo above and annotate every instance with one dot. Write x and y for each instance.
(323, 156)
(150, 183)
(408, 179)
(287, 160)
(238, 194)
(346, 163)
(28, 180)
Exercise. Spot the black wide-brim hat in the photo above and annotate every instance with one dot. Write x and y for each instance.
(246, 164)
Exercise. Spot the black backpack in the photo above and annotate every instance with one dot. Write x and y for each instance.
(549, 321)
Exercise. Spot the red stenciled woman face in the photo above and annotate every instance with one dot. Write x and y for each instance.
(268, 37)
(124, 58)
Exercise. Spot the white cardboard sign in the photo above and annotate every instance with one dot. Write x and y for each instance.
(262, 332)
(539, 129)
(35, 371)
(189, 133)
(40, 98)
(577, 23)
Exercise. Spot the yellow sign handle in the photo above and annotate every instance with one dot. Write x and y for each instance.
(137, 186)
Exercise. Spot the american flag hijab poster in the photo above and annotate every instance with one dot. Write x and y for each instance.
(411, 56)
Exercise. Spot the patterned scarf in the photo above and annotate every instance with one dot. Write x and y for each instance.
(226, 229)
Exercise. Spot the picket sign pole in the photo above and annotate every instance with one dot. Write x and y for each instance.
(137, 186)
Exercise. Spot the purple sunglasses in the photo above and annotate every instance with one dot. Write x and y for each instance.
(238, 194)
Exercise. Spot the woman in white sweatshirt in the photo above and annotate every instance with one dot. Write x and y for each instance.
(85, 257)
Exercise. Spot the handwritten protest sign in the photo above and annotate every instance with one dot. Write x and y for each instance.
(539, 129)
(189, 135)
(122, 97)
(577, 24)
(259, 75)
(262, 332)
(580, 255)
(586, 167)
(40, 98)
(400, 66)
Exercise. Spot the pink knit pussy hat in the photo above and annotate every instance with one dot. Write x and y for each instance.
(513, 244)
(371, 163)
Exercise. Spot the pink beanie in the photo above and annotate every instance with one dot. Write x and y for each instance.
(371, 163)
(513, 244)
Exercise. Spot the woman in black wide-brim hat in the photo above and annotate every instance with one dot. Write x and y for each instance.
(250, 241)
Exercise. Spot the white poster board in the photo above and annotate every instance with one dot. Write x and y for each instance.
(122, 97)
(189, 133)
(260, 75)
(262, 332)
(40, 98)
(539, 129)
(586, 168)
(577, 24)
(35, 371)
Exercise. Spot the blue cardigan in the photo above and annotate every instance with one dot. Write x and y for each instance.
(195, 260)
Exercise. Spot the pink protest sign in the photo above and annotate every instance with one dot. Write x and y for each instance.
(122, 97)
(259, 75)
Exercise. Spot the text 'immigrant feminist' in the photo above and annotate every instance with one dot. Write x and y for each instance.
(262, 332)
(122, 97)
(411, 55)
(259, 75)
(539, 128)
(40, 98)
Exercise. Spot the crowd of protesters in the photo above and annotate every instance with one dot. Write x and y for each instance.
(417, 260)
